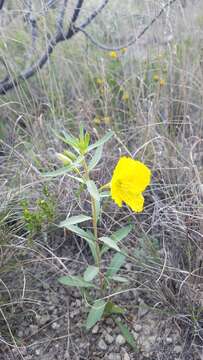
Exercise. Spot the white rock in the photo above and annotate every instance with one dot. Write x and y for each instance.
(95, 329)
(114, 356)
(108, 338)
(120, 340)
(55, 325)
(178, 349)
(125, 355)
(102, 345)
(169, 340)
(137, 327)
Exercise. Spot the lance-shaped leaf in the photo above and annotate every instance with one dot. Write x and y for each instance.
(102, 141)
(96, 158)
(90, 273)
(110, 242)
(95, 313)
(73, 220)
(76, 281)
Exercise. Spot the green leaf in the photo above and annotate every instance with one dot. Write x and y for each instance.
(73, 220)
(90, 273)
(126, 334)
(76, 281)
(65, 169)
(95, 313)
(102, 141)
(68, 139)
(92, 188)
(58, 172)
(96, 158)
(87, 236)
(118, 278)
(111, 243)
(117, 261)
(120, 234)
(112, 308)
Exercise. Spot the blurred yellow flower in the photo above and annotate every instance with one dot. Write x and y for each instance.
(125, 96)
(113, 54)
(107, 120)
(156, 77)
(130, 178)
(162, 82)
(99, 81)
(97, 120)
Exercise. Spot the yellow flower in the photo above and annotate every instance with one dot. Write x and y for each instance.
(107, 120)
(97, 120)
(113, 54)
(99, 81)
(125, 96)
(156, 77)
(130, 178)
(162, 82)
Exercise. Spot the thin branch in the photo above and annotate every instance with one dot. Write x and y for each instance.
(130, 42)
(61, 16)
(8, 84)
(1, 4)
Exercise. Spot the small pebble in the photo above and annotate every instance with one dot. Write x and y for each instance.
(55, 325)
(95, 329)
(137, 327)
(108, 338)
(178, 349)
(114, 356)
(102, 345)
(120, 340)
(169, 340)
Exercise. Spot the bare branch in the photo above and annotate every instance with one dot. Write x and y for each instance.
(1, 4)
(130, 42)
(10, 83)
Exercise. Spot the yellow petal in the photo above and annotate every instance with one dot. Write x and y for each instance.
(130, 178)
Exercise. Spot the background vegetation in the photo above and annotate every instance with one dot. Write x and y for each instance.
(150, 95)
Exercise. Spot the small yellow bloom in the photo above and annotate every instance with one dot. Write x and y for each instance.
(162, 82)
(156, 77)
(130, 178)
(99, 81)
(97, 120)
(125, 96)
(124, 50)
(113, 54)
(107, 120)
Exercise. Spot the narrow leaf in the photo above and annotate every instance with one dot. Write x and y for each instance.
(73, 220)
(126, 334)
(87, 236)
(95, 313)
(76, 281)
(112, 308)
(90, 273)
(117, 261)
(102, 141)
(111, 243)
(91, 186)
(118, 278)
(121, 233)
(96, 158)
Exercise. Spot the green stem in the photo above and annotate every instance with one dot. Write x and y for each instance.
(94, 223)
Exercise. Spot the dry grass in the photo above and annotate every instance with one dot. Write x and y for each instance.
(161, 124)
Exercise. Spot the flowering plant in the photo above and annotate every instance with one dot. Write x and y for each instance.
(129, 180)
